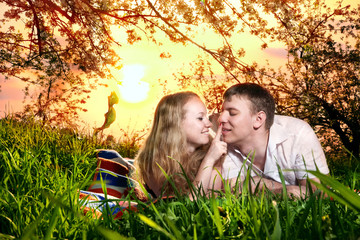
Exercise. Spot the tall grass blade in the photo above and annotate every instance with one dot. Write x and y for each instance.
(5, 236)
(276, 235)
(154, 225)
(53, 222)
(110, 234)
(286, 201)
(195, 233)
(157, 213)
(176, 192)
(254, 216)
(217, 219)
(173, 227)
(30, 229)
(192, 188)
(338, 191)
(305, 215)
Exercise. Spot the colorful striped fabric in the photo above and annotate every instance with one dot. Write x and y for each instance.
(112, 181)
(97, 203)
(116, 157)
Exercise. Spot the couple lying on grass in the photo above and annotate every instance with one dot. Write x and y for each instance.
(249, 136)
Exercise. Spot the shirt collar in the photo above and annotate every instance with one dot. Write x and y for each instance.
(278, 134)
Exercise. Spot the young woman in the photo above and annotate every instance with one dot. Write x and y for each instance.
(179, 135)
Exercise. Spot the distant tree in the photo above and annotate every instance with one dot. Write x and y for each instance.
(211, 86)
(322, 86)
(321, 81)
(53, 45)
(57, 46)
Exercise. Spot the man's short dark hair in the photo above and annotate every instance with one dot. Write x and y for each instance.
(259, 96)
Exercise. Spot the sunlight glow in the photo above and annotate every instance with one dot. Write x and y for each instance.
(132, 89)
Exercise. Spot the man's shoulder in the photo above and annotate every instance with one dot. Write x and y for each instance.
(288, 122)
(286, 127)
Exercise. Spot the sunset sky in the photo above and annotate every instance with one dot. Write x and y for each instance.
(140, 90)
(146, 57)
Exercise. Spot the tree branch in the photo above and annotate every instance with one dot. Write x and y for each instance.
(213, 54)
(37, 24)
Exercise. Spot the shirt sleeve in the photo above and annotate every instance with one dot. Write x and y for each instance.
(310, 155)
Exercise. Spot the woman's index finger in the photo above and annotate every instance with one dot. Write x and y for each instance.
(218, 133)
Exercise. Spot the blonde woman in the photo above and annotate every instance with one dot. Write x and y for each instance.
(180, 134)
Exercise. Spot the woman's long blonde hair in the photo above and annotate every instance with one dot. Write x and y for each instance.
(166, 146)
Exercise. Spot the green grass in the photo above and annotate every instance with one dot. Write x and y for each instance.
(42, 169)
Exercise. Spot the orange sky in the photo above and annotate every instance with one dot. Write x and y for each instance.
(147, 56)
(139, 115)
(143, 55)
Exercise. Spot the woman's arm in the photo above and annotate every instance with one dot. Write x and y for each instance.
(207, 173)
(215, 179)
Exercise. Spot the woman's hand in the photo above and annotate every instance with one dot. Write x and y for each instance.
(214, 156)
(217, 149)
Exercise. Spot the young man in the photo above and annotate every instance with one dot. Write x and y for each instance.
(255, 134)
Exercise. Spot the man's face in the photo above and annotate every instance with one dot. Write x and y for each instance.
(237, 120)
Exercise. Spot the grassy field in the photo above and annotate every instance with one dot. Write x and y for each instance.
(42, 169)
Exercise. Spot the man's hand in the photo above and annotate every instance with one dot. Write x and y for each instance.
(298, 191)
(260, 182)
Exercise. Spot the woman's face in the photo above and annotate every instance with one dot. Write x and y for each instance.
(196, 124)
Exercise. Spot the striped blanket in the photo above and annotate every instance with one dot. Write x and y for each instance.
(112, 183)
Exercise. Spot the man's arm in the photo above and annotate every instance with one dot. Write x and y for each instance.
(276, 187)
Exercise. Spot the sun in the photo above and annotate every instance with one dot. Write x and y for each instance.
(132, 89)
